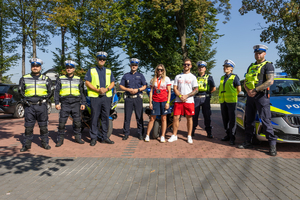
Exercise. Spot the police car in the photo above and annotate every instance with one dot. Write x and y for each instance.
(285, 110)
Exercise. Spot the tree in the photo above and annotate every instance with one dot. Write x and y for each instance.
(6, 46)
(283, 18)
(169, 31)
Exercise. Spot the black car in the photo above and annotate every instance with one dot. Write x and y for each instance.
(10, 101)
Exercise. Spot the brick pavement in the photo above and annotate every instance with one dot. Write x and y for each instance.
(133, 169)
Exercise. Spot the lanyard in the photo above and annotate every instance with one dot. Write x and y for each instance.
(158, 83)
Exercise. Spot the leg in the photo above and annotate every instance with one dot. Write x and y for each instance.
(189, 124)
(63, 117)
(29, 125)
(163, 125)
(175, 124)
(75, 112)
(42, 118)
(196, 116)
(105, 119)
(95, 112)
(206, 111)
(250, 112)
(138, 104)
(127, 117)
(150, 124)
(232, 121)
(28, 136)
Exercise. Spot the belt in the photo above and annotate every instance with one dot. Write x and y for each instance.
(133, 96)
(202, 96)
(39, 102)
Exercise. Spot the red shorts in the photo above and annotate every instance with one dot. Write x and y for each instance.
(181, 108)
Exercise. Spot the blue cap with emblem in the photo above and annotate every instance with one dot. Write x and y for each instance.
(36, 61)
(101, 54)
(201, 64)
(230, 63)
(70, 63)
(134, 61)
(260, 48)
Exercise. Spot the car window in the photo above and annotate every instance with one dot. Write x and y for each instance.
(3, 88)
(285, 88)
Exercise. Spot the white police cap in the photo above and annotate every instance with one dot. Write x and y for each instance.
(229, 62)
(201, 63)
(70, 63)
(260, 48)
(35, 61)
(134, 61)
(101, 54)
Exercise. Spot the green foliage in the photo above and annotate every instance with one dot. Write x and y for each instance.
(284, 28)
(7, 79)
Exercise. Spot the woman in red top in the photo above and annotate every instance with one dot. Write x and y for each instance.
(160, 95)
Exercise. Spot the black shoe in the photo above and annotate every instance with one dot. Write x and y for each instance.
(108, 141)
(47, 147)
(245, 145)
(209, 135)
(60, 141)
(78, 139)
(226, 138)
(93, 142)
(273, 151)
(125, 137)
(231, 142)
(24, 148)
(141, 137)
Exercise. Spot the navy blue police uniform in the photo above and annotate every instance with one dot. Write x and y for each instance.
(202, 100)
(228, 112)
(70, 105)
(261, 103)
(35, 106)
(100, 106)
(133, 101)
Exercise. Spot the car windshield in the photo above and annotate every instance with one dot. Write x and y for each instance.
(285, 88)
(3, 89)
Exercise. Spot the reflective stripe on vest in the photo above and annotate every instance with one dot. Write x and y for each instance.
(252, 76)
(69, 87)
(96, 83)
(35, 87)
(203, 83)
(229, 93)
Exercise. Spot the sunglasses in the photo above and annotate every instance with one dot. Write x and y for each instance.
(35, 66)
(102, 59)
(186, 65)
(160, 70)
(134, 64)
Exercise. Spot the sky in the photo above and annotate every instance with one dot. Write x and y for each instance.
(241, 33)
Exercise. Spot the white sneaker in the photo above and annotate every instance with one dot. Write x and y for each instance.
(147, 139)
(172, 138)
(162, 139)
(190, 140)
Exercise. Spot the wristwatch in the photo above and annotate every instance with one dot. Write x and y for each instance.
(139, 90)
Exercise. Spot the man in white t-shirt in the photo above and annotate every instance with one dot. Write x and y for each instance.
(185, 87)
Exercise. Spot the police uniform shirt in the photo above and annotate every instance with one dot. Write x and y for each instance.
(210, 82)
(236, 81)
(102, 76)
(35, 99)
(266, 69)
(70, 98)
(135, 81)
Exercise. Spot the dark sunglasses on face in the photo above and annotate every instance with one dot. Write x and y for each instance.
(186, 65)
(160, 70)
(102, 59)
(134, 64)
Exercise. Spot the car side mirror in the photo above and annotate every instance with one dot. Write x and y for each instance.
(241, 94)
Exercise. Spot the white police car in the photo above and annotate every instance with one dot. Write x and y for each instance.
(285, 110)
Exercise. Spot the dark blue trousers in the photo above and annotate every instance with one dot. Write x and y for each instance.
(206, 111)
(100, 108)
(260, 103)
(67, 109)
(228, 111)
(135, 104)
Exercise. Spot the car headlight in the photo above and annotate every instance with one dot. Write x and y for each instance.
(276, 114)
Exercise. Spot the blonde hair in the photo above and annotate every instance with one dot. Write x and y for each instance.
(163, 76)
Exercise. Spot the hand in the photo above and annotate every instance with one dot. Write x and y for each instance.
(251, 93)
(57, 107)
(151, 106)
(102, 90)
(82, 107)
(183, 98)
(167, 106)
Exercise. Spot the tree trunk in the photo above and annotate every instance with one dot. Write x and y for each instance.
(200, 36)
(181, 26)
(1, 42)
(34, 35)
(23, 53)
(63, 32)
(78, 45)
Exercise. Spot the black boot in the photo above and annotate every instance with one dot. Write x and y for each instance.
(78, 139)
(28, 138)
(44, 137)
(273, 151)
(26, 146)
(60, 140)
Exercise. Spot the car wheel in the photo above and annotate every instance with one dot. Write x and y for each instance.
(49, 107)
(156, 129)
(19, 111)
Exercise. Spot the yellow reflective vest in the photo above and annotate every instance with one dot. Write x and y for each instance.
(228, 93)
(203, 83)
(96, 82)
(35, 87)
(252, 76)
(69, 87)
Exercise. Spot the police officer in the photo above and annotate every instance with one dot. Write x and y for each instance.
(100, 81)
(133, 83)
(260, 76)
(206, 86)
(229, 88)
(70, 92)
(35, 89)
